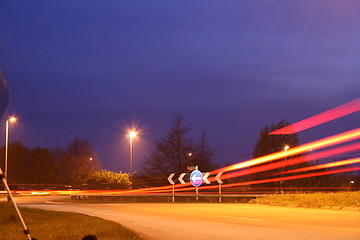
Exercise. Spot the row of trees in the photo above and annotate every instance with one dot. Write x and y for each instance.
(76, 164)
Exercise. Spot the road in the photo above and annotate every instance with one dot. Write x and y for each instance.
(218, 221)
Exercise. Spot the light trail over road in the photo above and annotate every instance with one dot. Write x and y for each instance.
(320, 118)
(219, 221)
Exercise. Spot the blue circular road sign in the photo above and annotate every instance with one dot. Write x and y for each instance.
(196, 178)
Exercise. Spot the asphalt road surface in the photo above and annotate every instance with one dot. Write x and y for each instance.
(218, 221)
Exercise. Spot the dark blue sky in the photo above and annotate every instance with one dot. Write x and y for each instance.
(88, 69)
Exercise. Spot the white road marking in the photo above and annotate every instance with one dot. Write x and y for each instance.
(170, 211)
(173, 211)
(242, 218)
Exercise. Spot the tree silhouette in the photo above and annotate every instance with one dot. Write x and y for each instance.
(170, 152)
(18, 162)
(77, 162)
(174, 151)
(203, 154)
(30, 166)
(41, 167)
(267, 144)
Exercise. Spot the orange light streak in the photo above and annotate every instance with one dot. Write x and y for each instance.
(318, 144)
(325, 165)
(293, 161)
(334, 113)
(307, 175)
(326, 142)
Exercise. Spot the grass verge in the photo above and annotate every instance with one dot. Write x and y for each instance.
(316, 200)
(58, 225)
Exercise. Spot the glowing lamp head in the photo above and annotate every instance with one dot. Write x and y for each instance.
(12, 119)
(132, 134)
(286, 148)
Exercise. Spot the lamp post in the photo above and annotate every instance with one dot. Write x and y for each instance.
(132, 135)
(286, 147)
(11, 119)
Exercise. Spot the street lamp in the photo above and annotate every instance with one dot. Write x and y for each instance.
(11, 119)
(285, 150)
(286, 147)
(132, 135)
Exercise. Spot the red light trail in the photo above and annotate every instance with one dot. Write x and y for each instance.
(325, 165)
(321, 118)
(319, 144)
(278, 179)
(312, 157)
(325, 142)
(307, 175)
(292, 161)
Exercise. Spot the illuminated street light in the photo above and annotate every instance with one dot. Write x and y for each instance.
(132, 135)
(285, 150)
(286, 147)
(11, 119)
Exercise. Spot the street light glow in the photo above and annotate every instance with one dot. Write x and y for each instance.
(12, 119)
(132, 134)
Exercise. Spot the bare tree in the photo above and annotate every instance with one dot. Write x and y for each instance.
(203, 154)
(170, 152)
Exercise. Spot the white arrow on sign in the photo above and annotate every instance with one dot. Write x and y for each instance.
(195, 178)
(217, 177)
(170, 178)
(206, 175)
(181, 178)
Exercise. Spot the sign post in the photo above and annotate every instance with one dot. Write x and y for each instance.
(173, 184)
(196, 180)
(217, 178)
(197, 194)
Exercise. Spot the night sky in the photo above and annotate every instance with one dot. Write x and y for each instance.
(90, 69)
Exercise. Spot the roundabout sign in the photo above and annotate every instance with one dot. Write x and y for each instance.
(196, 178)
